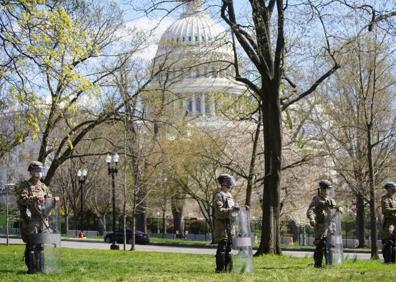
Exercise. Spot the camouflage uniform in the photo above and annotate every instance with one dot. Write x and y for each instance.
(318, 212)
(31, 221)
(388, 205)
(223, 204)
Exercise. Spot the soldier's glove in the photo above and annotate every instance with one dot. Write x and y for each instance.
(312, 222)
(247, 207)
(330, 203)
(340, 209)
(56, 199)
(40, 199)
(235, 208)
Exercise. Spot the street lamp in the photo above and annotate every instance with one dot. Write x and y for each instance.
(112, 165)
(158, 220)
(82, 176)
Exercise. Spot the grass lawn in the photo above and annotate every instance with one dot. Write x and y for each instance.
(179, 241)
(107, 265)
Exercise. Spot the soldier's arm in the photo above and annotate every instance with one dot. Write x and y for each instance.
(310, 211)
(220, 205)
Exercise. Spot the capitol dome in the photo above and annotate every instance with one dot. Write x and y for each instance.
(195, 62)
(195, 29)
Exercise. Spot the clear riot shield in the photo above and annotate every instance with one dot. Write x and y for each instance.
(334, 249)
(242, 242)
(44, 243)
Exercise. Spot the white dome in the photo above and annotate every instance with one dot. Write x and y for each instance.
(194, 28)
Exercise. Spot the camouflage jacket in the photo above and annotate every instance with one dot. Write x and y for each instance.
(388, 205)
(26, 196)
(319, 208)
(222, 205)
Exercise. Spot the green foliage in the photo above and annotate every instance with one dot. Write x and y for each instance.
(106, 265)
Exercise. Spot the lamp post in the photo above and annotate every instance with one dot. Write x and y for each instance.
(112, 165)
(82, 176)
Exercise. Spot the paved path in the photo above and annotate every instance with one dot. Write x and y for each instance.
(183, 250)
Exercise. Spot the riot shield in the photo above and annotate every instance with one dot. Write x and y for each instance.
(334, 249)
(44, 243)
(242, 241)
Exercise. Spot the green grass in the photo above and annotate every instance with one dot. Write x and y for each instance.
(179, 241)
(107, 265)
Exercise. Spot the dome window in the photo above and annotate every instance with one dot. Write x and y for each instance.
(203, 38)
(198, 104)
(190, 105)
(184, 39)
(196, 38)
(189, 38)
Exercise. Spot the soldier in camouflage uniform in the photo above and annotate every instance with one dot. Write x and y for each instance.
(28, 194)
(388, 204)
(318, 211)
(223, 204)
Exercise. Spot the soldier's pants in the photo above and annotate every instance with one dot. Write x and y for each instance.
(223, 256)
(319, 251)
(34, 258)
(389, 250)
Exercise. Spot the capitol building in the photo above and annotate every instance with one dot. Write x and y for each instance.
(194, 64)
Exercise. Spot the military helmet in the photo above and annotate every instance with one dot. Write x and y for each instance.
(325, 184)
(390, 185)
(226, 179)
(36, 166)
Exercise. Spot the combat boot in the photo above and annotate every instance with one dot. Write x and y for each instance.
(387, 252)
(31, 261)
(228, 262)
(220, 262)
(318, 258)
(26, 255)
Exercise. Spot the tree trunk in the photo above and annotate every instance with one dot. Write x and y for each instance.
(270, 231)
(360, 219)
(133, 232)
(177, 206)
(163, 223)
(373, 218)
(67, 223)
(141, 217)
